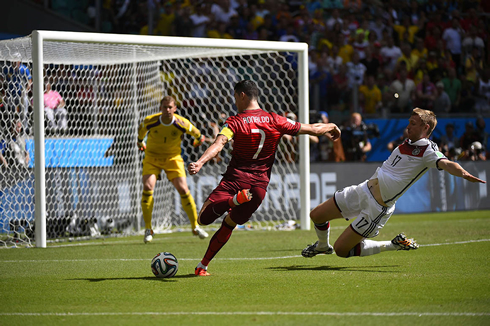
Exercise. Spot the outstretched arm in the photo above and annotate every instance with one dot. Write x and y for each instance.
(321, 129)
(211, 152)
(456, 169)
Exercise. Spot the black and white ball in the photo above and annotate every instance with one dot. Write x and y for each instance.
(164, 265)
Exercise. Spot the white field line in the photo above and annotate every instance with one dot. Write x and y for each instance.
(81, 243)
(249, 313)
(185, 259)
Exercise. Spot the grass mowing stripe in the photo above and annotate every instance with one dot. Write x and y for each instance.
(251, 313)
(191, 259)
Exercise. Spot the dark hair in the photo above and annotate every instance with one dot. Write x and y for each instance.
(249, 88)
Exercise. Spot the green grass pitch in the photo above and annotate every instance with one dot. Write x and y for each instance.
(258, 278)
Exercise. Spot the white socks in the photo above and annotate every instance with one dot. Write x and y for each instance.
(370, 247)
(323, 235)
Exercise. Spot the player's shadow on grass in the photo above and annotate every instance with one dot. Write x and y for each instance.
(369, 269)
(146, 278)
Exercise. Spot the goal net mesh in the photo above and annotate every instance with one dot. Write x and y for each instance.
(93, 166)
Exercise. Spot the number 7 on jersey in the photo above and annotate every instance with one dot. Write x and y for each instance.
(262, 140)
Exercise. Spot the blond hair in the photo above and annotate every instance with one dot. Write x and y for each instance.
(168, 99)
(428, 118)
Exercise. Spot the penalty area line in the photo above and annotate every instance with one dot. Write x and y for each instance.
(248, 313)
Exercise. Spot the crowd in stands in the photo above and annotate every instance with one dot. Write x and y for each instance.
(395, 54)
(374, 57)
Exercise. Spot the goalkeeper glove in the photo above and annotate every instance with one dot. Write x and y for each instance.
(141, 146)
(198, 142)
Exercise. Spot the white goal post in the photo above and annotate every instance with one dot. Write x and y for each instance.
(200, 73)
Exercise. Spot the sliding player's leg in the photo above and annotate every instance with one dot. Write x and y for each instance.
(370, 220)
(236, 216)
(321, 217)
(350, 244)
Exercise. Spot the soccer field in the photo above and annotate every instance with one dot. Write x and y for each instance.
(258, 278)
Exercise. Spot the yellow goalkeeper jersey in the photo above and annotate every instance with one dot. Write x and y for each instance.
(164, 140)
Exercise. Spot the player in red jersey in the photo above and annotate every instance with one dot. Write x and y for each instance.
(256, 134)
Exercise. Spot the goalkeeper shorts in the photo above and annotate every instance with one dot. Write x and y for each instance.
(173, 166)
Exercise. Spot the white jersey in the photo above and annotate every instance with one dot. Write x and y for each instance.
(406, 164)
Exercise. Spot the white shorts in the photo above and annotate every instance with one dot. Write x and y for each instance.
(357, 201)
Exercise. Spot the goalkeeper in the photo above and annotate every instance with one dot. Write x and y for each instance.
(163, 152)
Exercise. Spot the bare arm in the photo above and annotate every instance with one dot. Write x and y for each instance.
(211, 152)
(3, 160)
(456, 169)
(320, 129)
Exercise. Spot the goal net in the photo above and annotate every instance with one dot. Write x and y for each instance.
(96, 89)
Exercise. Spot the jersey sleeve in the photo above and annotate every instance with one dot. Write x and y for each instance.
(285, 125)
(188, 127)
(433, 156)
(142, 130)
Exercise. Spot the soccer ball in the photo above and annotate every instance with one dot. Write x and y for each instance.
(164, 265)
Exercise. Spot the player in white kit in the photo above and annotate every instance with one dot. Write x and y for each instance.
(372, 202)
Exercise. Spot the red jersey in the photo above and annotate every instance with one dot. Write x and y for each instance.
(256, 136)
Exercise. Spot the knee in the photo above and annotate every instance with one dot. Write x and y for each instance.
(340, 251)
(201, 222)
(316, 216)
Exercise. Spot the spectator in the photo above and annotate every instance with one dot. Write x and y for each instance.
(14, 157)
(340, 88)
(360, 44)
(218, 30)
(473, 66)
(472, 40)
(406, 27)
(408, 57)
(390, 53)
(200, 20)
(335, 18)
(425, 94)
(420, 70)
(452, 86)
(355, 71)
(403, 90)
(222, 11)
(322, 80)
(355, 139)
(184, 25)
(482, 133)
(165, 24)
(469, 137)
(290, 35)
(54, 111)
(420, 50)
(442, 103)
(235, 29)
(450, 144)
(483, 91)
(475, 152)
(18, 81)
(378, 27)
(370, 96)
(334, 61)
(452, 37)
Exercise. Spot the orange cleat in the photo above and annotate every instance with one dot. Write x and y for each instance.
(242, 197)
(201, 272)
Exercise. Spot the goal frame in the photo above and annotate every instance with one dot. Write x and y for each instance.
(41, 36)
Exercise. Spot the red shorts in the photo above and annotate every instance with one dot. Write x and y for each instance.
(239, 214)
